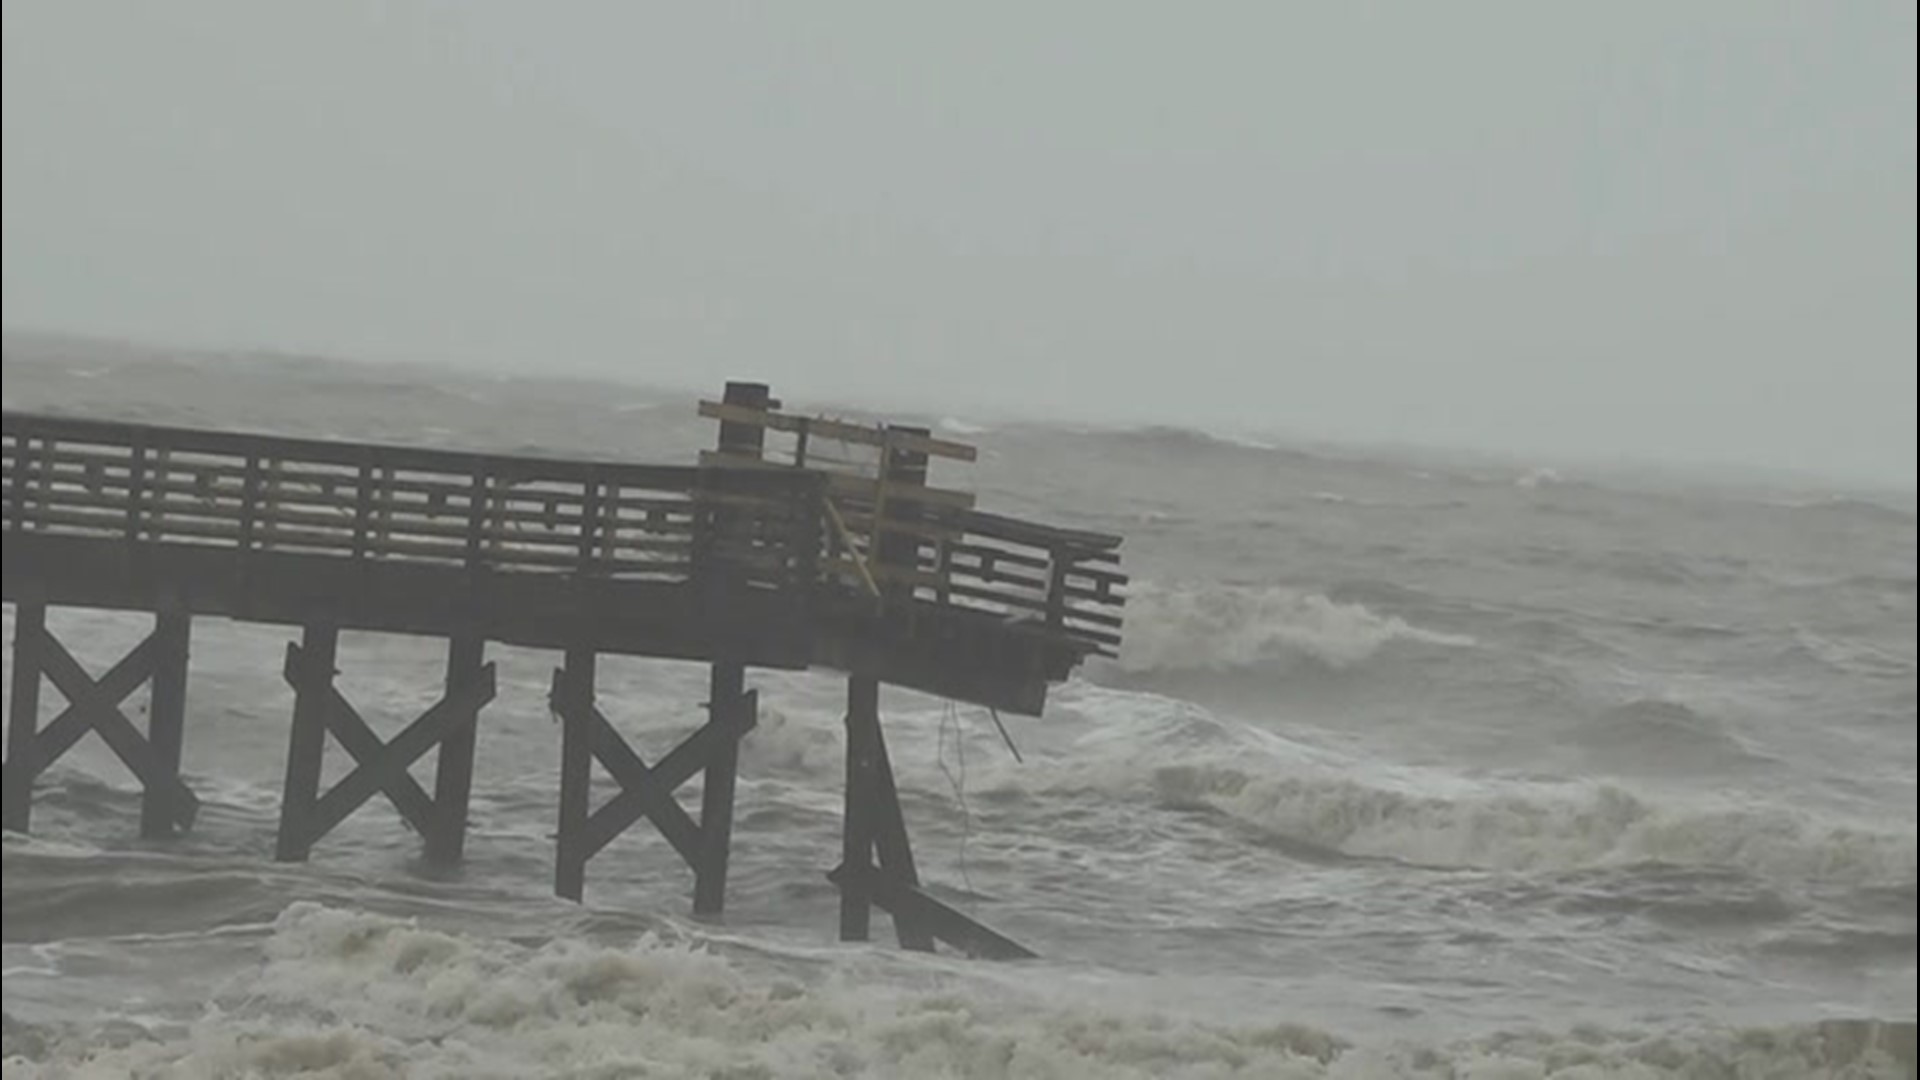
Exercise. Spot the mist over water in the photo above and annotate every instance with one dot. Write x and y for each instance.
(1408, 767)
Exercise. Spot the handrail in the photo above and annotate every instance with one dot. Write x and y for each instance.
(526, 514)
(507, 513)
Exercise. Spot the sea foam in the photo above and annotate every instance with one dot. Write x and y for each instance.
(352, 996)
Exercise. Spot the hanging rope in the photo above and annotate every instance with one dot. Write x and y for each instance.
(951, 720)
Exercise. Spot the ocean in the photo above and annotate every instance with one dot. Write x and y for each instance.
(1411, 766)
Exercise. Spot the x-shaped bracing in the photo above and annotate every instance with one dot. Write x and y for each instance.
(645, 791)
(95, 705)
(380, 766)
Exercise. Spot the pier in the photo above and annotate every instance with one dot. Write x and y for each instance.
(796, 542)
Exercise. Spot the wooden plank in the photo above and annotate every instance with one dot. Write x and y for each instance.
(136, 484)
(451, 493)
(124, 504)
(364, 513)
(1100, 593)
(838, 430)
(914, 904)
(439, 543)
(1035, 559)
(1081, 544)
(961, 585)
(1030, 603)
(855, 491)
(862, 521)
(908, 577)
(333, 481)
(847, 554)
(851, 488)
(461, 528)
(117, 436)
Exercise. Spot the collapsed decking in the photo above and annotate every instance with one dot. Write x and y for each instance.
(750, 559)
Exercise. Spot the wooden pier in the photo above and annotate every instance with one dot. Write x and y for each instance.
(830, 550)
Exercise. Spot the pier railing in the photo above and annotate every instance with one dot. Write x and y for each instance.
(760, 523)
(513, 515)
(893, 534)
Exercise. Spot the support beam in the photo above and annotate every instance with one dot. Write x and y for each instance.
(95, 705)
(311, 670)
(23, 715)
(874, 825)
(380, 766)
(874, 821)
(912, 904)
(166, 717)
(890, 842)
(856, 838)
(646, 791)
(453, 774)
(573, 701)
(729, 707)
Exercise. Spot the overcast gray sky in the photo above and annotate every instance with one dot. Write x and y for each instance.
(1680, 231)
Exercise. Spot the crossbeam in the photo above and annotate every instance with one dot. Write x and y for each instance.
(94, 705)
(381, 766)
(876, 863)
(910, 905)
(875, 435)
(646, 791)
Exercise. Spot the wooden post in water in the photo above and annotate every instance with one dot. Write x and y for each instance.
(312, 664)
(453, 770)
(166, 720)
(23, 714)
(856, 837)
(573, 694)
(726, 698)
(872, 805)
(726, 692)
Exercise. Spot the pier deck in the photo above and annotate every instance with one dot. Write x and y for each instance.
(741, 561)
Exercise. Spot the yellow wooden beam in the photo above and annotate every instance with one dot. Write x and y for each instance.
(839, 430)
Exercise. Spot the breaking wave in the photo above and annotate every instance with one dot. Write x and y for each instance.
(1664, 735)
(953, 425)
(345, 994)
(1319, 799)
(1224, 628)
(1541, 477)
(1857, 508)
(1850, 657)
(1173, 439)
(1539, 826)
